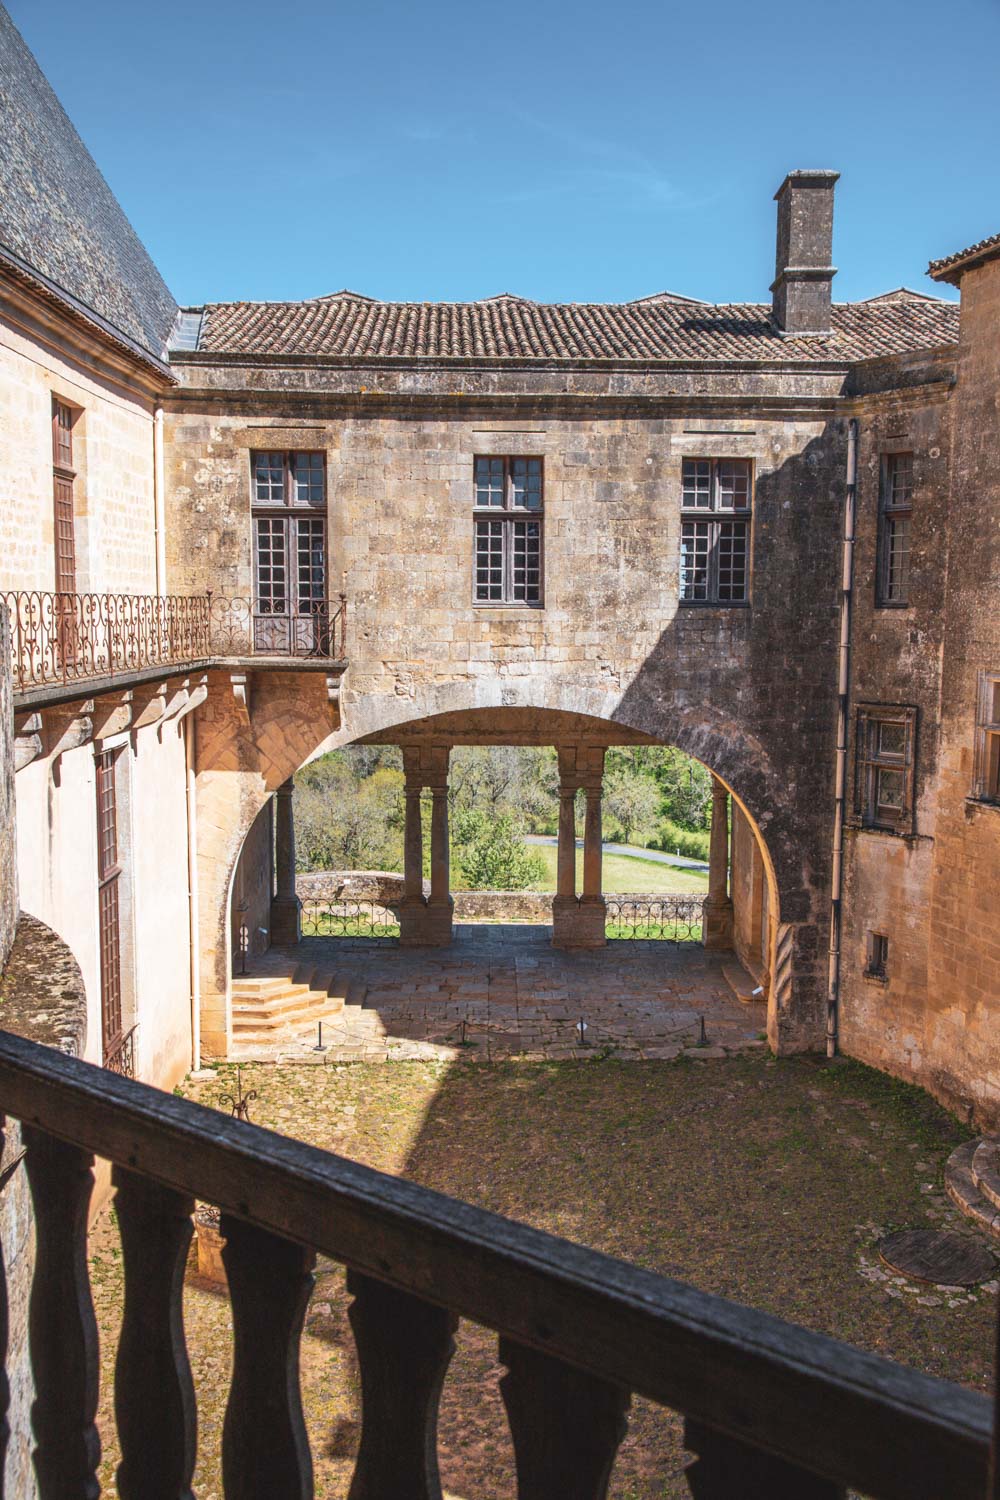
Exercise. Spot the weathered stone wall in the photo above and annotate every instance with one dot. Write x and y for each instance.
(932, 892)
(747, 885)
(8, 836)
(961, 1059)
(253, 884)
(112, 455)
(748, 691)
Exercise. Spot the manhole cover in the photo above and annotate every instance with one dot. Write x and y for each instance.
(937, 1255)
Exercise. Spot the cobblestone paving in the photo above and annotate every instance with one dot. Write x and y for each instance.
(503, 991)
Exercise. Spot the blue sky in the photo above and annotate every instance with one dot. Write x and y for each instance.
(585, 152)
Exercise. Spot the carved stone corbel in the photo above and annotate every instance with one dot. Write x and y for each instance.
(27, 739)
(241, 684)
(67, 727)
(112, 714)
(149, 704)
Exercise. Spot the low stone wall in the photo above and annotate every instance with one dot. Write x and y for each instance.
(44, 1000)
(386, 889)
(383, 886)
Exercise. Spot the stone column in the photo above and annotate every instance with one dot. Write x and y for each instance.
(440, 906)
(717, 922)
(286, 908)
(413, 908)
(426, 922)
(579, 923)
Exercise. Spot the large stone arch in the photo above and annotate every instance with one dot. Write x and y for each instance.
(247, 752)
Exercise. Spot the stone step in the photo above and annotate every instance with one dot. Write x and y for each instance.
(276, 1028)
(741, 983)
(260, 984)
(288, 1008)
(986, 1170)
(964, 1192)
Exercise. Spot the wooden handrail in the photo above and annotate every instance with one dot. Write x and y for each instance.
(823, 1406)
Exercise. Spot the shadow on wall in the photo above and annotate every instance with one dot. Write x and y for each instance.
(751, 692)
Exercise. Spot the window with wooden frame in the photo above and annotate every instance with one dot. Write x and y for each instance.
(884, 767)
(716, 501)
(877, 957)
(895, 515)
(987, 768)
(288, 502)
(108, 900)
(507, 531)
(64, 500)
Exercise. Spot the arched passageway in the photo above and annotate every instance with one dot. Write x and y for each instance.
(742, 914)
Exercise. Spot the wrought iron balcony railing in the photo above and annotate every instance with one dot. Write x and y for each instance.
(61, 639)
(770, 1409)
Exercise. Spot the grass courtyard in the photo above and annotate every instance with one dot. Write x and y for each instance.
(625, 872)
(764, 1181)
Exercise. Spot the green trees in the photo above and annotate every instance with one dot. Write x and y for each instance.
(490, 854)
(349, 808)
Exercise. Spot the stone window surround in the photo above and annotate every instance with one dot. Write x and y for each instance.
(714, 515)
(509, 515)
(891, 512)
(870, 758)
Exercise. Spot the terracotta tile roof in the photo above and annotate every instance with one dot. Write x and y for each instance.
(664, 327)
(950, 268)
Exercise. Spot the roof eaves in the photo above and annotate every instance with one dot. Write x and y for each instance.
(951, 268)
(80, 313)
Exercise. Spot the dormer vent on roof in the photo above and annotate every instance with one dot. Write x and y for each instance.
(803, 275)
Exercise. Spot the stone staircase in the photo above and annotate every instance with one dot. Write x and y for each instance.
(282, 999)
(972, 1178)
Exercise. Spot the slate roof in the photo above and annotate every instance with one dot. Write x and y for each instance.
(664, 327)
(59, 218)
(950, 268)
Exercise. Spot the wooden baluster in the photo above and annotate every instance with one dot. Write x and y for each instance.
(726, 1469)
(265, 1451)
(7, 1171)
(566, 1425)
(154, 1394)
(404, 1348)
(62, 1331)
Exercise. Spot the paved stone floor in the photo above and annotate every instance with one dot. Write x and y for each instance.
(503, 990)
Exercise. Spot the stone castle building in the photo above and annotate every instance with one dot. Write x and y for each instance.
(237, 535)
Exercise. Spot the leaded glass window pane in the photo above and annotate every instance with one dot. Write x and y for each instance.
(733, 484)
(269, 478)
(308, 478)
(489, 482)
(696, 480)
(489, 560)
(526, 562)
(732, 561)
(526, 479)
(272, 578)
(311, 557)
(694, 559)
(897, 545)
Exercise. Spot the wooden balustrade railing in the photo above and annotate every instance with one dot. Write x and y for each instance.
(65, 638)
(770, 1409)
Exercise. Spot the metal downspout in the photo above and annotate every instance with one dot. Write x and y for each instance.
(190, 763)
(843, 691)
(159, 535)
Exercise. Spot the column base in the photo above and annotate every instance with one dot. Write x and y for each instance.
(426, 924)
(286, 920)
(717, 924)
(579, 923)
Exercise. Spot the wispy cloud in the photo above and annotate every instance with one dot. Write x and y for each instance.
(593, 167)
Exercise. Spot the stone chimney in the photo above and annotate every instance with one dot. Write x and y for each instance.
(800, 292)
